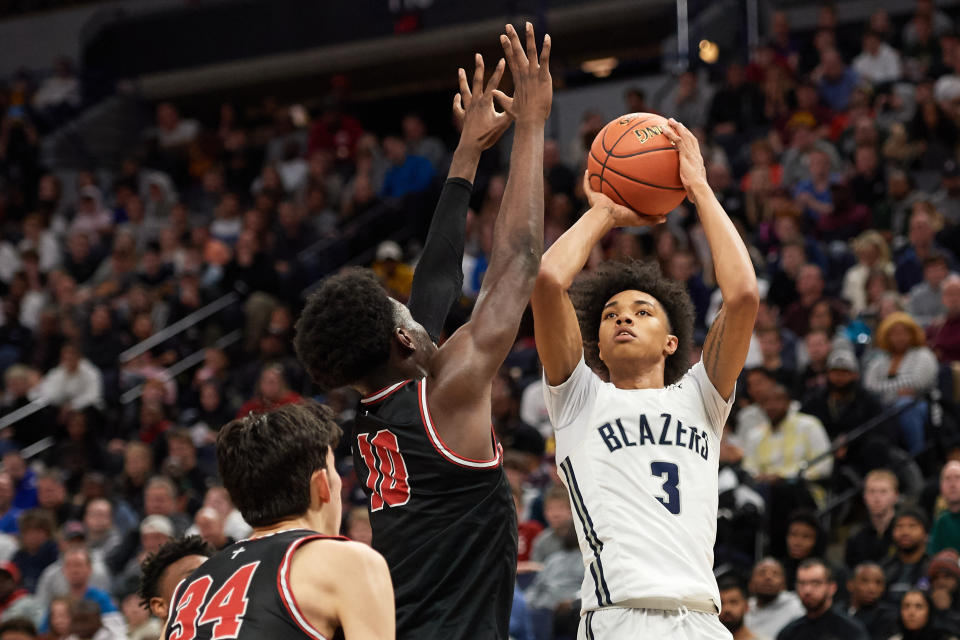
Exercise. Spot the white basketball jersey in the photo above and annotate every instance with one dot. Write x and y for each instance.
(641, 468)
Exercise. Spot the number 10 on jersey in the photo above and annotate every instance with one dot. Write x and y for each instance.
(387, 476)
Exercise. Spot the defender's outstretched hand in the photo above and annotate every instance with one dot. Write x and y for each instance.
(533, 86)
(692, 172)
(622, 216)
(481, 124)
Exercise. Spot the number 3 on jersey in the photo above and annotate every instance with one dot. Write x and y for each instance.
(225, 609)
(386, 470)
(671, 475)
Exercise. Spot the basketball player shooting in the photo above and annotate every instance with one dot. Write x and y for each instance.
(295, 578)
(637, 433)
(441, 507)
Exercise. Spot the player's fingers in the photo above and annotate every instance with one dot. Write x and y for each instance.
(505, 101)
(587, 191)
(681, 130)
(496, 77)
(477, 87)
(464, 87)
(671, 133)
(531, 46)
(458, 107)
(517, 48)
(545, 55)
(508, 54)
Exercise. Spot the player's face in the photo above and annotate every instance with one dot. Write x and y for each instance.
(733, 606)
(634, 327)
(169, 579)
(867, 586)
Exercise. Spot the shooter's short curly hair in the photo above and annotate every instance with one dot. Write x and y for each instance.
(156, 563)
(591, 293)
(345, 329)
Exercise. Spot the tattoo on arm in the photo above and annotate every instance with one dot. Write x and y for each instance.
(713, 344)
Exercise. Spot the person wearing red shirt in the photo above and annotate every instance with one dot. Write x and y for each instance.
(272, 392)
(943, 336)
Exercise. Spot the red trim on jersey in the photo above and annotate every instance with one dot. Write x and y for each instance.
(383, 394)
(286, 591)
(434, 436)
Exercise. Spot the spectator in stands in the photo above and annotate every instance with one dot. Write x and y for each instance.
(905, 569)
(408, 173)
(805, 539)
(420, 143)
(173, 132)
(160, 499)
(59, 619)
(15, 601)
(210, 525)
(87, 622)
(734, 607)
(18, 629)
(814, 194)
(74, 384)
(103, 537)
(866, 588)
(11, 514)
(182, 467)
(137, 470)
(272, 392)
(37, 547)
(556, 512)
(944, 577)
(557, 584)
(873, 254)
(925, 303)
(924, 224)
(810, 291)
(904, 369)
(816, 588)
(916, 619)
(394, 274)
(813, 377)
(836, 81)
(140, 624)
(358, 525)
(874, 541)
(689, 102)
(53, 584)
(927, 13)
(52, 497)
(946, 529)
(775, 450)
(771, 607)
(878, 62)
(943, 335)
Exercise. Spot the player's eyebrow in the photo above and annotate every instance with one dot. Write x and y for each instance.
(646, 302)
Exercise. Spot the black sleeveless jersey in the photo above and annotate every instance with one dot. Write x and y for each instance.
(447, 525)
(244, 592)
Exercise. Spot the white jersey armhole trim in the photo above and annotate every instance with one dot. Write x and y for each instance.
(286, 591)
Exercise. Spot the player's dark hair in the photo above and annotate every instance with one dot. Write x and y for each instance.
(732, 582)
(590, 294)
(21, 625)
(152, 568)
(266, 460)
(809, 563)
(345, 329)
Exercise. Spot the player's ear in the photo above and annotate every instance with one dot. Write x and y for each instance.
(159, 608)
(405, 338)
(320, 486)
(671, 346)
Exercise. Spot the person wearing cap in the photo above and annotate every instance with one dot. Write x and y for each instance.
(843, 404)
(155, 531)
(903, 369)
(911, 561)
(389, 267)
(944, 577)
(946, 529)
(15, 601)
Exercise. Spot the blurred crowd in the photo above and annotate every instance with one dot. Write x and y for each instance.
(834, 150)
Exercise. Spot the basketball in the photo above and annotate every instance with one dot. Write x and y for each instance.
(633, 163)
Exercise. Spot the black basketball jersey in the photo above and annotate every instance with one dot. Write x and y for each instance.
(447, 525)
(244, 592)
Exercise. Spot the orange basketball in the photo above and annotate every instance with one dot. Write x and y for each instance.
(633, 163)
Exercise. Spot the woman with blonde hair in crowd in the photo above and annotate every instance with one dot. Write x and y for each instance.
(873, 254)
(903, 369)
